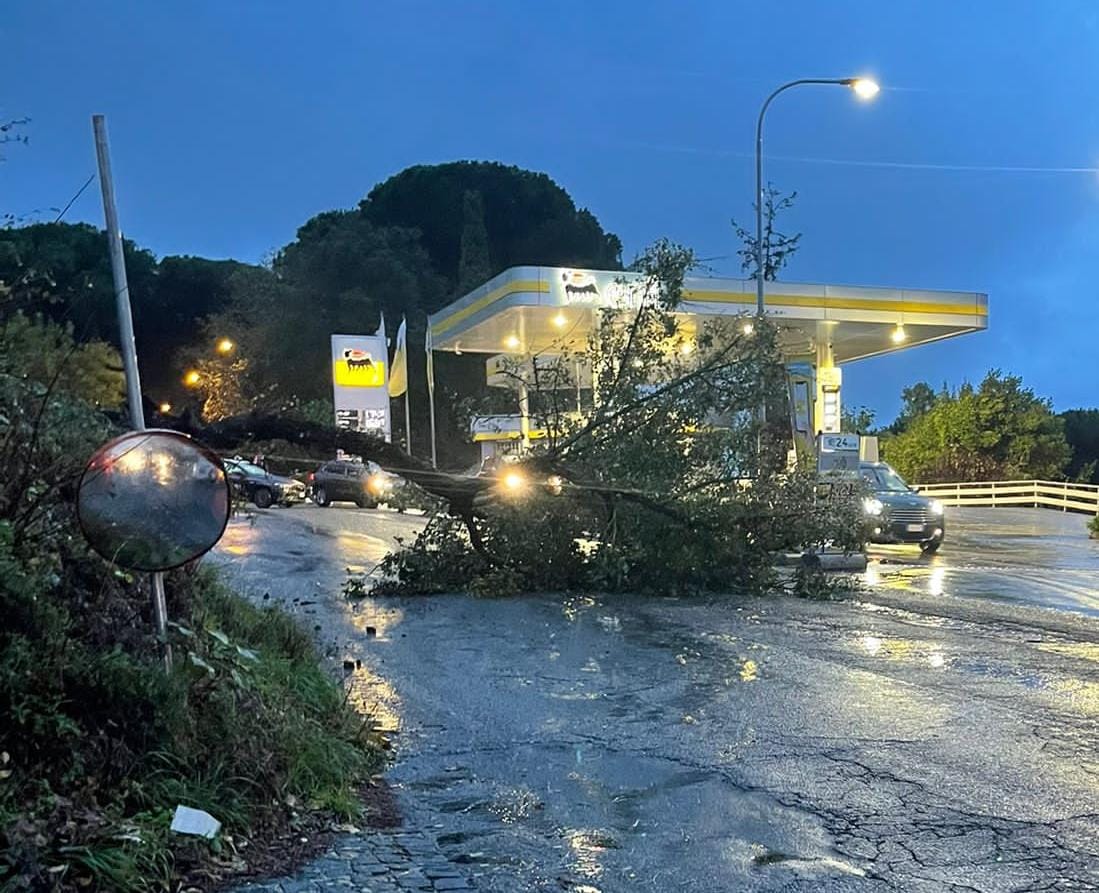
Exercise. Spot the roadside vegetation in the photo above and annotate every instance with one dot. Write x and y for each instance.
(997, 430)
(666, 482)
(98, 745)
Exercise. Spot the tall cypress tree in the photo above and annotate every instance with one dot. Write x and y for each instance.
(474, 263)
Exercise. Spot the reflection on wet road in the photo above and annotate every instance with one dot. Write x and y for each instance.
(1025, 556)
(905, 739)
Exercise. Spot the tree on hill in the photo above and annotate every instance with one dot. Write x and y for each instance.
(187, 291)
(997, 431)
(474, 261)
(916, 400)
(348, 270)
(340, 274)
(420, 238)
(62, 272)
(1082, 434)
(528, 218)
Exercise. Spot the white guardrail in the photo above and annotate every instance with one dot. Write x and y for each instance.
(1067, 497)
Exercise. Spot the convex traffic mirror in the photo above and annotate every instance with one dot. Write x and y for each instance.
(153, 500)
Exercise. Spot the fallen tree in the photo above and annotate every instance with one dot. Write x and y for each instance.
(666, 481)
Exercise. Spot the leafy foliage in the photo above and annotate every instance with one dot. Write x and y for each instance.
(528, 218)
(664, 482)
(62, 272)
(474, 262)
(1082, 434)
(857, 419)
(778, 247)
(98, 745)
(916, 400)
(415, 241)
(45, 352)
(997, 431)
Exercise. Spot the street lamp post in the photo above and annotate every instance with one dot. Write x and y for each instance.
(864, 88)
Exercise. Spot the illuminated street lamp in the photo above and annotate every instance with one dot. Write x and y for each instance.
(165, 408)
(192, 378)
(864, 88)
(225, 346)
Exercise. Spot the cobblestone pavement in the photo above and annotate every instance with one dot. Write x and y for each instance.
(375, 862)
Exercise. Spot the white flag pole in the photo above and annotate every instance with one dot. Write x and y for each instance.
(430, 391)
(407, 390)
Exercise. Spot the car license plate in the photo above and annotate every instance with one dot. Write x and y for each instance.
(914, 528)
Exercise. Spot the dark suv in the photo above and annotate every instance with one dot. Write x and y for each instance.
(897, 514)
(344, 481)
(256, 484)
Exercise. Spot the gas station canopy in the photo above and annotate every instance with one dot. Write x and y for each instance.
(527, 310)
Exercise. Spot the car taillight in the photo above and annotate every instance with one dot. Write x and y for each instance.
(312, 477)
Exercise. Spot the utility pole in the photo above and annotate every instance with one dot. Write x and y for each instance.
(128, 346)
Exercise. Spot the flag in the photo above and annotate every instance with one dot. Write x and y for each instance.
(398, 371)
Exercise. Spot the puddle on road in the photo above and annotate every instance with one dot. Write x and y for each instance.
(1029, 582)
(897, 649)
(770, 857)
(1084, 650)
(355, 547)
(618, 818)
(371, 619)
(588, 847)
(575, 605)
(370, 695)
(1080, 694)
(239, 540)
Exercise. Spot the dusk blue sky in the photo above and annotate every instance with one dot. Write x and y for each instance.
(233, 122)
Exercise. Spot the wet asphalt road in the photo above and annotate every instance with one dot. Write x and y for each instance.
(935, 732)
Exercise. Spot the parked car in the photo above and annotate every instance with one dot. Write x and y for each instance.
(256, 484)
(897, 513)
(342, 480)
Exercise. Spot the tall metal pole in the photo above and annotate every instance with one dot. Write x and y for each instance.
(407, 422)
(118, 268)
(430, 391)
(127, 344)
(761, 254)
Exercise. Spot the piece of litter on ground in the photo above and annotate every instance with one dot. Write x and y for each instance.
(195, 821)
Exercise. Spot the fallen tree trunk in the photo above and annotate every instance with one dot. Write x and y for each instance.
(458, 490)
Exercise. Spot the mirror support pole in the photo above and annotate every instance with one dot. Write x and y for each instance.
(126, 340)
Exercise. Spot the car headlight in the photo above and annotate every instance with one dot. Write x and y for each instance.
(936, 507)
(377, 483)
(873, 506)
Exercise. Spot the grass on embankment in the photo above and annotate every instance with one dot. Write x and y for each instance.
(99, 745)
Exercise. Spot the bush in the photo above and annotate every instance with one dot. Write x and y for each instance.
(98, 744)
